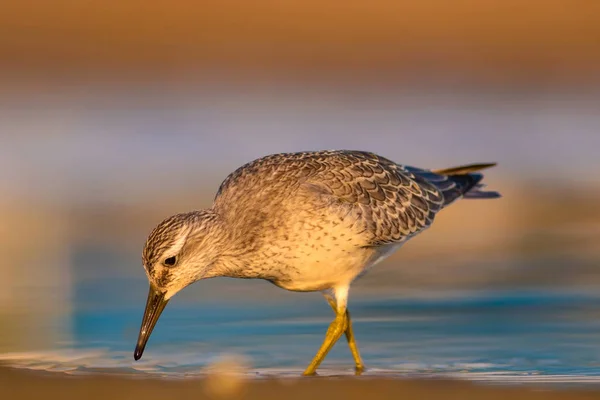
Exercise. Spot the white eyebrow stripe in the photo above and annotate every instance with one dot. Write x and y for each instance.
(177, 246)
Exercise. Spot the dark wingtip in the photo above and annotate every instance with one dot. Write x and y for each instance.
(138, 354)
(477, 194)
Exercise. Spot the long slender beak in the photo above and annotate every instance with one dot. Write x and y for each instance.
(154, 306)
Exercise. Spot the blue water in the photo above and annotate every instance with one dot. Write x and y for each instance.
(511, 335)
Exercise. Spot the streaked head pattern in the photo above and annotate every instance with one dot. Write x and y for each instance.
(179, 251)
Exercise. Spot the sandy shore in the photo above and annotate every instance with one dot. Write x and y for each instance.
(22, 384)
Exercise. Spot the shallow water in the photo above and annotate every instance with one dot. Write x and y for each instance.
(507, 336)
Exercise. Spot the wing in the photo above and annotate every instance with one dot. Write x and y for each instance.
(391, 202)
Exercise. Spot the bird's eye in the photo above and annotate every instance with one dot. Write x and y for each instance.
(170, 261)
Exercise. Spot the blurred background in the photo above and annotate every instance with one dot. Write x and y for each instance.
(115, 115)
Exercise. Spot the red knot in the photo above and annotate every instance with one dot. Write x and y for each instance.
(310, 221)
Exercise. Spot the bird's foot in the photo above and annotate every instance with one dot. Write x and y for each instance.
(359, 369)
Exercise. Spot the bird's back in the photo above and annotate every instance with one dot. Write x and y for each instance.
(390, 202)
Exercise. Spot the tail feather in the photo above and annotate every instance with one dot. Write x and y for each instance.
(456, 182)
(463, 169)
(467, 180)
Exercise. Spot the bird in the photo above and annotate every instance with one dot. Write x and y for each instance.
(311, 221)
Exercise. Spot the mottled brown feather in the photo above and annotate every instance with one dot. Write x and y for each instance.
(391, 202)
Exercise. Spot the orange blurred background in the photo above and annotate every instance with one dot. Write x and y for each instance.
(485, 42)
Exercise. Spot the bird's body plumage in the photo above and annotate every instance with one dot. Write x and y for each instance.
(311, 221)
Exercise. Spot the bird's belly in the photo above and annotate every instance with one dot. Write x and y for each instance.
(317, 250)
(323, 270)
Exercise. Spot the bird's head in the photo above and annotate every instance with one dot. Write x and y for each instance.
(178, 252)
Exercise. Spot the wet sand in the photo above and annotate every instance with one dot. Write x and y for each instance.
(25, 384)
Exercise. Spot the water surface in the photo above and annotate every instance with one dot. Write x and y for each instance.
(512, 336)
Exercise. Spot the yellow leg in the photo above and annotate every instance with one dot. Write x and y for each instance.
(360, 367)
(336, 328)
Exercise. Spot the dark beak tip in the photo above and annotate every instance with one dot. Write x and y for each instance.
(154, 306)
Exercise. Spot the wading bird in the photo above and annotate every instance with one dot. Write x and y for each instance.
(311, 221)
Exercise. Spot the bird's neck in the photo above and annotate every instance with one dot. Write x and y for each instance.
(230, 246)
